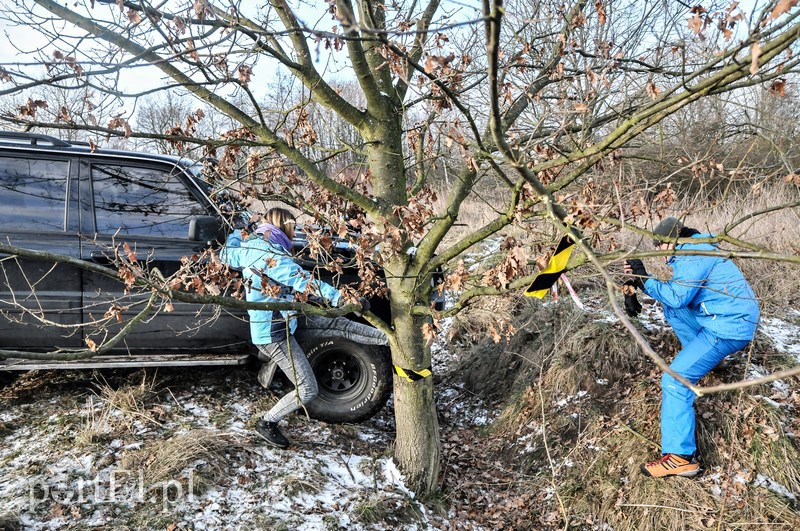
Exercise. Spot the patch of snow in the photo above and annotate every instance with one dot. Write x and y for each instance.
(393, 476)
(572, 398)
(195, 410)
(772, 403)
(784, 335)
(764, 481)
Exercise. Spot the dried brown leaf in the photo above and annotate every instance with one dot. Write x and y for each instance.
(652, 90)
(755, 52)
(601, 12)
(778, 87)
(781, 7)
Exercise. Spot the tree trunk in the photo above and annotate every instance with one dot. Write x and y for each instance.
(418, 448)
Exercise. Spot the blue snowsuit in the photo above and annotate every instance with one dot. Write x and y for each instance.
(714, 313)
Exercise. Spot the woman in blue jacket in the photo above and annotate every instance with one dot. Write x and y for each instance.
(714, 313)
(272, 275)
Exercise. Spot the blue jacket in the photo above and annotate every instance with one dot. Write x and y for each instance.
(713, 288)
(256, 256)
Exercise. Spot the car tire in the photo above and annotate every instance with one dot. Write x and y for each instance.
(354, 380)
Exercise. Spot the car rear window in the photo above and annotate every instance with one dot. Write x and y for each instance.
(33, 193)
(142, 201)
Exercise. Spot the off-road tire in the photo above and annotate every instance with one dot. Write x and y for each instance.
(354, 380)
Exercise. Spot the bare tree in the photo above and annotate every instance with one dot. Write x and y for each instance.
(534, 98)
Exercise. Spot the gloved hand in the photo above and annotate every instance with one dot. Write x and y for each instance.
(239, 222)
(635, 267)
(632, 305)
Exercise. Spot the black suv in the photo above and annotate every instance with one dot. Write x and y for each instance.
(69, 199)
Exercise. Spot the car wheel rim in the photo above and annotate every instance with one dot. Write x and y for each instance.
(340, 374)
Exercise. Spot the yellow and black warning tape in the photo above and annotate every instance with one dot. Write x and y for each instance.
(412, 376)
(548, 276)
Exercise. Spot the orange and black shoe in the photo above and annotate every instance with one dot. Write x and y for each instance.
(671, 465)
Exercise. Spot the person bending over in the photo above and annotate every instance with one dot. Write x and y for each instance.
(714, 313)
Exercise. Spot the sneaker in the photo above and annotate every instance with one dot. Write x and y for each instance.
(671, 465)
(270, 432)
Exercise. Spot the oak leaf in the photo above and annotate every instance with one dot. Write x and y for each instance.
(778, 87)
(601, 12)
(755, 52)
(129, 252)
(245, 73)
(781, 7)
(652, 90)
(428, 332)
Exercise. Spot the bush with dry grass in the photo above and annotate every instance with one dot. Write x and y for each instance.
(162, 461)
(581, 412)
(114, 410)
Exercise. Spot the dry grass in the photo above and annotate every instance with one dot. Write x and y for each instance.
(97, 427)
(476, 211)
(164, 460)
(595, 443)
(10, 523)
(310, 481)
(569, 346)
(119, 409)
(130, 400)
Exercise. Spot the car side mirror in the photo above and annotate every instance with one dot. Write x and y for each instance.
(205, 229)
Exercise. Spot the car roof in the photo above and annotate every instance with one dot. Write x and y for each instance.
(39, 143)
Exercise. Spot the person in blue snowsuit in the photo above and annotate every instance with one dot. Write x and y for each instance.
(271, 275)
(714, 313)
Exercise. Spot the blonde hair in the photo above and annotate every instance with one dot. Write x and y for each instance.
(281, 218)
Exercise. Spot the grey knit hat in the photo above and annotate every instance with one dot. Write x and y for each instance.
(669, 227)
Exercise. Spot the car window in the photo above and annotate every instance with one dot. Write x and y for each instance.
(32, 193)
(141, 201)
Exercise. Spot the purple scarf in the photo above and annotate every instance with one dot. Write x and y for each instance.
(276, 236)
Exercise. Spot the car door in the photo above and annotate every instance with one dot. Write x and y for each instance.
(40, 299)
(149, 206)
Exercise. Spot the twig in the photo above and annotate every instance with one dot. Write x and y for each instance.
(642, 437)
(656, 507)
(347, 466)
(547, 451)
(175, 399)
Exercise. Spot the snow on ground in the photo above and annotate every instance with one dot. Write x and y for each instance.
(784, 334)
(337, 477)
(49, 479)
(53, 475)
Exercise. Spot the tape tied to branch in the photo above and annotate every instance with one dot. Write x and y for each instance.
(557, 265)
(411, 375)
